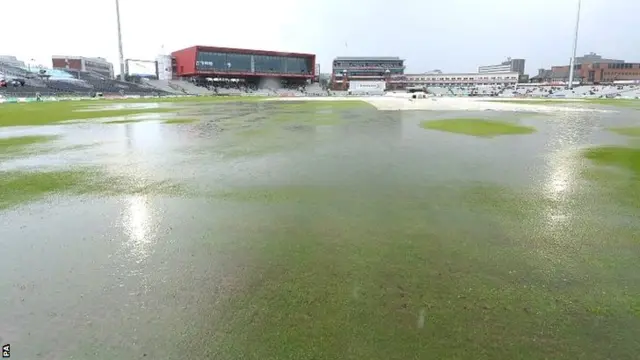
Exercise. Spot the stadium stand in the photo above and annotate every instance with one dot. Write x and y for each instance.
(163, 85)
(190, 88)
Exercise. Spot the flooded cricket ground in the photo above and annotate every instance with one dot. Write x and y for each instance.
(268, 230)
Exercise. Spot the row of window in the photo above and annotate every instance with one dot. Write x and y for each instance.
(615, 73)
(212, 61)
(620, 66)
(466, 78)
(370, 73)
(609, 66)
(386, 64)
(450, 84)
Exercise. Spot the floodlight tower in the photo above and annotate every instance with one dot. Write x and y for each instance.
(120, 54)
(575, 46)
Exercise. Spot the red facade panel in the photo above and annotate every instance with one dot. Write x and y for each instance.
(185, 61)
(62, 63)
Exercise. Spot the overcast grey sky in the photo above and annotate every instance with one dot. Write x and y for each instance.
(451, 35)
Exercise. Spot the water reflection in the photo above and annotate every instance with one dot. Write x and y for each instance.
(558, 189)
(139, 227)
(568, 134)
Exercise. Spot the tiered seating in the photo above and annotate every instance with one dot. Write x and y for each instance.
(437, 90)
(11, 70)
(315, 90)
(69, 87)
(164, 86)
(190, 88)
(25, 91)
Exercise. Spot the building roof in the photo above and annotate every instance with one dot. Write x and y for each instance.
(64, 57)
(244, 51)
(463, 74)
(546, 74)
(347, 58)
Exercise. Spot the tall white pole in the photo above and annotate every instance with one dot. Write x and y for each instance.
(575, 46)
(120, 54)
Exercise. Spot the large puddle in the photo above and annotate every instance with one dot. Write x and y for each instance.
(317, 232)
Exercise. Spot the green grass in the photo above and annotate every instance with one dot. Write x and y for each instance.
(19, 145)
(303, 105)
(622, 157)
(21, 187)
(25, 114)
(627, 131)
(617, 172)
(477, 127)
(124, 121)
(425, 272)
(179, 121)
(187, 99)
(627, 103)
(55, 112)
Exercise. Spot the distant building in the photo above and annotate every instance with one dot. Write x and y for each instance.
(511, 65)
(462, 79)
(595, 58)
(593, 68)
(96, 65)
(367, 68)
(543, 76)
(12, 60)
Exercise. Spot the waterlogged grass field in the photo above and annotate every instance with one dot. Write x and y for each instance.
(477, 127)
(208, 228)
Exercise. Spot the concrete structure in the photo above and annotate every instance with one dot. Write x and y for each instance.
(165, 67)
(367, 68)
(511, 65)
(95, 65)
(462, 79)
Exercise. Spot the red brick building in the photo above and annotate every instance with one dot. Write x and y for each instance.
(592, 68)
(80, 63)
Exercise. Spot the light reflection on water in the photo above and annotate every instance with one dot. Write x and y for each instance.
(558, 188)
(139, 226)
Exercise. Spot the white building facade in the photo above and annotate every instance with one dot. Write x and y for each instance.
(165, 70)
(511, 65)
(462, 79)
(367, 87)
(492, 69)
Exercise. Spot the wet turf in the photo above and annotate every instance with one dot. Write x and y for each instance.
(623, 103)
(624, 157)
(180, 121)
(256, 232)
(628, 131)
(477, 127)
(53, 112)
(19, 145)
(21, 187)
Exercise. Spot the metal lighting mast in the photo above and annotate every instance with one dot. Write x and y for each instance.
(120, 41)
(575, 46)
